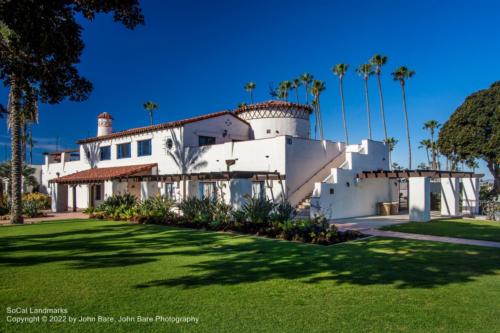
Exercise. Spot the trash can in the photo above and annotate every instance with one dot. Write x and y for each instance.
(384, 208)
(394, 208)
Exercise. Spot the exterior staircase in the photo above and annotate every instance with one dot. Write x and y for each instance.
(304, 207)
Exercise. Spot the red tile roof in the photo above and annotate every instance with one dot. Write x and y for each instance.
(275, 105)
(102, 174)
(152, 128)
(105, 115)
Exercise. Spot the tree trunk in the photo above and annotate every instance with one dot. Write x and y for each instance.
(368, 110)
(406, 124)
(151, 117)
(251, 96)
(382, 105)
(307, 93)
(433, 152)
(495, 171)
(297, 94)
(343, 112)
(16, 162)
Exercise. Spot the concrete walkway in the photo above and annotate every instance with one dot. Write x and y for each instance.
(404, 235)
(369, 222)
(51, 217)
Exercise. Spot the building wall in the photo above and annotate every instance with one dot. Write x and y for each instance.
(343, 195)
(270, 127)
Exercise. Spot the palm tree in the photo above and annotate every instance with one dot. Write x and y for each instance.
(21, 97)
(316, 89)
(150, 107)
(427, 144)
(402, 74)
(366, 70)
(27, 174)
(432, 125)
(378, 61)
(307, 79)
(283, 89)
(391, 143)
(186, 158)
(249, 87)
(242, 104)
(340, 70)
(296, 83)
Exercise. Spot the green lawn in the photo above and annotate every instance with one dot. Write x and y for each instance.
(461, 228)
(238, 283)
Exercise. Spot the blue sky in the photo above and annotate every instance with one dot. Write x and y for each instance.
(194, 57)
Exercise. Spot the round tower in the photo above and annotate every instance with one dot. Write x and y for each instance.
(104, 124)
(275, 118)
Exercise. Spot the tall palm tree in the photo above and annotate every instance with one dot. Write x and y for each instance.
(21, 97)
(284, 89)
(150, 107)
(427, 145)
(366, 70)
(317, 88)
(249, 87)
(186, 158)
(307, 79)
(242, 104)
(340, 70)
(296, 83)
(391, 143)
(402, 74)
(378, 61)
(432, 126)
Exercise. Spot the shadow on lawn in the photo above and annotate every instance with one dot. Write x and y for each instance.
(219, 259)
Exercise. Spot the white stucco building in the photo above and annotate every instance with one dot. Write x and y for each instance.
(260, 149)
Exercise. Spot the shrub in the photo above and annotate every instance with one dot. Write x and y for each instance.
(222, 215)
(31, 208)
(257, 210)
(198, 212)
(4, 205)
(282, 212)
(42, 200)
(118, 200)
(157, 209)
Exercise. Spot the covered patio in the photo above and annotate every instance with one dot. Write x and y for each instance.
(453, 184)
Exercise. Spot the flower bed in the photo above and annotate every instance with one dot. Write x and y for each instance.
(258, 216)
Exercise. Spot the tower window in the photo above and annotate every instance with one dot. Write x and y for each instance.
(268, 131)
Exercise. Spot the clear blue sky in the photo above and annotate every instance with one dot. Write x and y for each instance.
(193, 57)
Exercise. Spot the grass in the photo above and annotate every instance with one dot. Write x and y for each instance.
(240, 283)
(460, 228)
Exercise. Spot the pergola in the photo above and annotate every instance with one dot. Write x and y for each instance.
(419, 190)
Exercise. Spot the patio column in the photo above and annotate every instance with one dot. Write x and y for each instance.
(108, 189)
(419, 203)
(59, 197)
(450, 196)
(470, 192)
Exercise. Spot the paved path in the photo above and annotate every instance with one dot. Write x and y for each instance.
(404, 235)
(51, 217)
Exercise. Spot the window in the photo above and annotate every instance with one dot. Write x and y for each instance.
(206, 140)
(258, 190)
(105, 153)
(207, 190)
(144, 148)
(169, 190)
(123, 150)
(97, 192)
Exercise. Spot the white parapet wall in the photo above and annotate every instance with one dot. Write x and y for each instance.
(419, 204)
